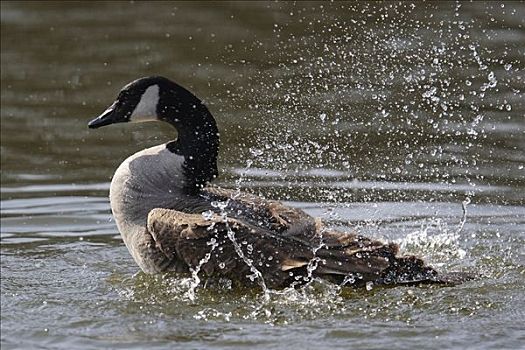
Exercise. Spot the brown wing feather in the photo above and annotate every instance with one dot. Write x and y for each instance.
(270, 214)
(282, 258)
(293, 222)
(283, 243)
(187, 237)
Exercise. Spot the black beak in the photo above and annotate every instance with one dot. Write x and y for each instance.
(107, 117)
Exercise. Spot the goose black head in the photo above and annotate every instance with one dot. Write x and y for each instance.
(152, 98)
(137, 101)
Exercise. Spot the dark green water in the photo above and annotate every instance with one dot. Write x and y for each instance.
(382, 117)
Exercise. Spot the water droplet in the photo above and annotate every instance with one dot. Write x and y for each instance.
(219, 205)
(430, 92)
(369, 285)
(256, 151)
(207, 215)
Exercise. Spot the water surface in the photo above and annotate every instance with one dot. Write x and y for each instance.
(382, 117)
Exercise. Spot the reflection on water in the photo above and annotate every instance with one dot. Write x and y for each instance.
(383, 117)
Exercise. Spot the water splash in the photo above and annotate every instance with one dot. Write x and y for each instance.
(222, 206)
(313, 263)
(464, 216)
(195, 279)
(256, 274)
(414, 90)
(435, 240)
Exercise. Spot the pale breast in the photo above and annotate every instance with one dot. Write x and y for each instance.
(152, 178)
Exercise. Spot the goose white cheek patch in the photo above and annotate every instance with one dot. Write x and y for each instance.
(146, 109)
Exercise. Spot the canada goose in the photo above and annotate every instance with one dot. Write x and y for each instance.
(171, 219)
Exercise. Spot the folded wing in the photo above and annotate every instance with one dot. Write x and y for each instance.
(298, 249)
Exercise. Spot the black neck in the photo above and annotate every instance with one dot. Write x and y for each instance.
(197, 141)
